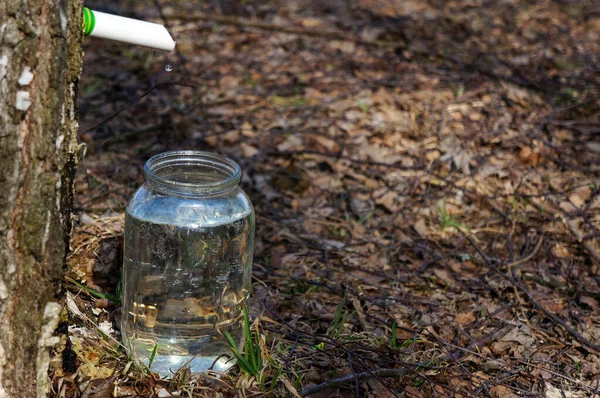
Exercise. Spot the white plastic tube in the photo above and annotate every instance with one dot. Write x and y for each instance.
(127, 30)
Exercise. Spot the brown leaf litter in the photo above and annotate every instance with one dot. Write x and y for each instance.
(426, 170)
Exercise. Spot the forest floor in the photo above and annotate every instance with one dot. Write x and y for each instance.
(426, 180)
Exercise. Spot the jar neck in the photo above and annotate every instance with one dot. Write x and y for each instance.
(192, 173)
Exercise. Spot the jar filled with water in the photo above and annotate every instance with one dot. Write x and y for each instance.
(189, 237)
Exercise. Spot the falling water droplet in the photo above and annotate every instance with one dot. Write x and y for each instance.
(168, 68)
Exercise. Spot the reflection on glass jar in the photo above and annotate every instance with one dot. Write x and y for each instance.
(189, 239)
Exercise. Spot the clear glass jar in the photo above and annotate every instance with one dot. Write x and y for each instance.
(189, 240)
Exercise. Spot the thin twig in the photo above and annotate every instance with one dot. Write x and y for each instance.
(340, 381)
(356, 391)
(539, 307)
(132, 102)
(528, 257)
(476, 346)
(453, 356)
(130, 133)
(512, 265)
(331, 341)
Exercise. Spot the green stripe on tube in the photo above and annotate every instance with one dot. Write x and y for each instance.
(89, 21)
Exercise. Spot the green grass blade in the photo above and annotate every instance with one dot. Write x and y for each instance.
(246, 366)
(255, 351)
(182, 380)
(274, 379)
(338, 320)
(231, 341)
(152, 355)
(250, 348)
(259, 359)
(242, 362)
(96, 293)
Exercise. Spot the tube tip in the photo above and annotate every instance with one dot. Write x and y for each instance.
(127, 30)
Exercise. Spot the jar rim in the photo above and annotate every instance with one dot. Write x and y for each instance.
(175, 163)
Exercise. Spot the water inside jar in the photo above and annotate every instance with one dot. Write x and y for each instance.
(183, 287)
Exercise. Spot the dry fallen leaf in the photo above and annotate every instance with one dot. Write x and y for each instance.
(567, 206)
(521, 335)
(163, 393)
(502, 392)
(581, 195)
(593, 146)
(293, 142)
(388, 200)
(379, 153)
(361, 206)
(475, 116)
(311, 22)
(590, 302)
(530, 156)
(322, 143)
(444, 276)
(559, 250)
(248, 151)
(382, 96)
(555, 392)
(464, 318)
(99, 389)
(421, 228)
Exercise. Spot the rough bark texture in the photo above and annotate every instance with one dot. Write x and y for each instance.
(40, 63)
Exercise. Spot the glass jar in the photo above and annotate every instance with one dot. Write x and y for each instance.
(189, 239)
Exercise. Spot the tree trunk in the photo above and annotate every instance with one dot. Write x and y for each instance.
(40, 63)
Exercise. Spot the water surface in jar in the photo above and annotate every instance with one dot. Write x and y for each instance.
(183, 286)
